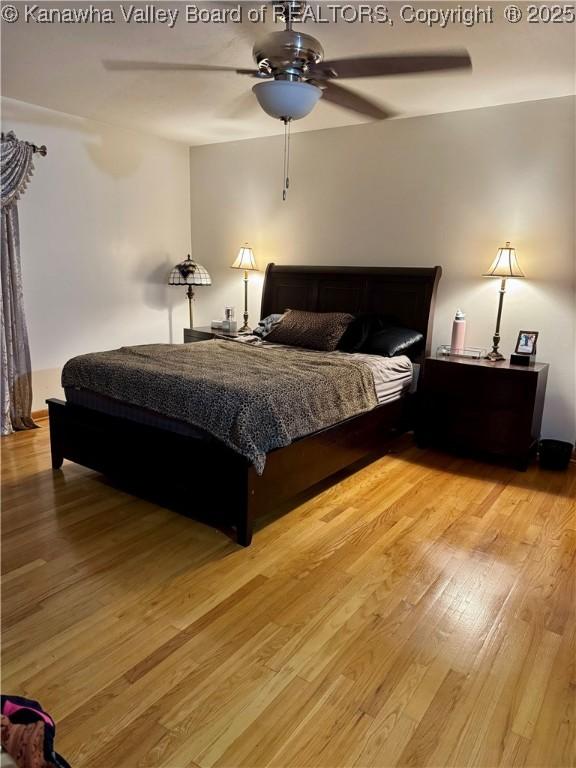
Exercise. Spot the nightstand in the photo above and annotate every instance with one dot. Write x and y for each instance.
(205, 334)
(477, 406)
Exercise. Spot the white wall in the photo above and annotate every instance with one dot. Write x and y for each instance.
(106, 214)
(445, 189)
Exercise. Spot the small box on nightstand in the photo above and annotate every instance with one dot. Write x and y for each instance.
(517, 358)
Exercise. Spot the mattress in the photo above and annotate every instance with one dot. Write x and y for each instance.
(393, 378)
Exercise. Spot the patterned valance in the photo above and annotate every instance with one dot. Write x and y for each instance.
(17, 167)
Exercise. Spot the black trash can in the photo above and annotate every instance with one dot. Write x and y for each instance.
(554, 454)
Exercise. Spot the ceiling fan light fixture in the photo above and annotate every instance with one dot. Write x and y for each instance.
(286, 99)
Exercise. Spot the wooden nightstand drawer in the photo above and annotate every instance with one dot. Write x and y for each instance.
(484, 407)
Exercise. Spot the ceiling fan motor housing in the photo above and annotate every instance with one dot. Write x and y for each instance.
(287, 55)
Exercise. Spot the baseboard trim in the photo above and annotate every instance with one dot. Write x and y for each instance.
(42, 414)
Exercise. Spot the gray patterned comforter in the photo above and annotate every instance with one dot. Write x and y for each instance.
(253, 399)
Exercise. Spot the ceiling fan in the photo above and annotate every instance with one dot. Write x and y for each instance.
(295, 75)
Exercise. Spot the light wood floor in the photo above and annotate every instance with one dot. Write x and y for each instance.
(419, 613)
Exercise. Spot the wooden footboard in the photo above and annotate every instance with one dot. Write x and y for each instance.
(217, 483)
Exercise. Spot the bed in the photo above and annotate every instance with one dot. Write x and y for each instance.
(219, 483)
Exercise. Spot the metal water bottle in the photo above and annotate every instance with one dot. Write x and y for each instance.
(458, 333)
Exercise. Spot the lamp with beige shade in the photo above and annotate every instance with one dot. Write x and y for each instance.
(504, 266)
(246, 261)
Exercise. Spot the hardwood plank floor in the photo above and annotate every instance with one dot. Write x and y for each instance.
(418, 613)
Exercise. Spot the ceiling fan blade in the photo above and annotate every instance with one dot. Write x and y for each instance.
(401, 64)
(167, 66)
(344, 97)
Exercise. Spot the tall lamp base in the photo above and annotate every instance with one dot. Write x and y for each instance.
(245, 328)
(495, 356)
(190, 295)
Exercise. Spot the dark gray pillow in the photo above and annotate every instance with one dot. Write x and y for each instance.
(311, 330)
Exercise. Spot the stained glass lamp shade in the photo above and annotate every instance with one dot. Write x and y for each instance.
(190, 273)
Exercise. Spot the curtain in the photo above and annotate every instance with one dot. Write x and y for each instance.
(16, 384)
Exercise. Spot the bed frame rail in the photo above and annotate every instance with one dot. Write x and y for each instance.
(230, 492)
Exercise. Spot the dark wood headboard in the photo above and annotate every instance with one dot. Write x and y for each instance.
(408, 294)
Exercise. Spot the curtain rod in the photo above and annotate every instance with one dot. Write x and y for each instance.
(40, 150)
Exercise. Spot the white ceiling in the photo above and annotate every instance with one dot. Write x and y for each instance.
(59, 66)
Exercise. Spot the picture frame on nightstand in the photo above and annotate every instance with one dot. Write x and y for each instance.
(526, 343)
(525, 350)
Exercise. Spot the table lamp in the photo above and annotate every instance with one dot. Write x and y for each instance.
(189, 273)
(246, 261)
(504, 266)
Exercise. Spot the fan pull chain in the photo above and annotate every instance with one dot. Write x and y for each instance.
(286, 169)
